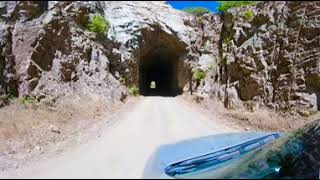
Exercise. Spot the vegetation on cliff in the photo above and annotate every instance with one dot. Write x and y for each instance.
(134, 90)
(99, 25)
(198, 11)
(226, 5)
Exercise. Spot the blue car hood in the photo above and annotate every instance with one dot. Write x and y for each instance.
(167, 155)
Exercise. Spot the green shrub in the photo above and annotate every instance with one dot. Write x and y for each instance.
(249, 15)
(226, 5)
(134, 90)
(198, 11)
(199, 75)
(27, 100)
(99, 25)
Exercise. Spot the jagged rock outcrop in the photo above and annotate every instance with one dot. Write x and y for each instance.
(47, 54)
(271, 59)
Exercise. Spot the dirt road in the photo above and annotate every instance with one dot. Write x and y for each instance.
(124, 148)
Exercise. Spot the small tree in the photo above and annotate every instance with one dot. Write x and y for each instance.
(198, 11)
(99, 25)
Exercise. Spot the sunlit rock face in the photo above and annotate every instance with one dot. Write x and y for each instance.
(46, 53)
(268, 60)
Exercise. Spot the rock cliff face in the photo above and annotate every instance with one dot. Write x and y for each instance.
(46, 53)
(270, 59)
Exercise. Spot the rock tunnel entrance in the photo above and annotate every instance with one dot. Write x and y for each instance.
(162, 70)
(159, 73)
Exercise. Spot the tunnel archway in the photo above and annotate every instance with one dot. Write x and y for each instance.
(161, 66)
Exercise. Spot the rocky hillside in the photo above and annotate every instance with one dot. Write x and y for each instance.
(46, 53)
(270, 59)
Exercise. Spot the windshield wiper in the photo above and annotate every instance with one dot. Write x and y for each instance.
(213, 159)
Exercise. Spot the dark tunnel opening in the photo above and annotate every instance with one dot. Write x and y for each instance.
(158, 73)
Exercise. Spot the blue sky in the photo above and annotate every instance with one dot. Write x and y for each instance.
(211, 5)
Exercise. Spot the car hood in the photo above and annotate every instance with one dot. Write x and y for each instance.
(172, 153)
